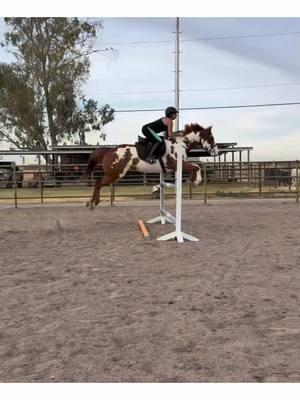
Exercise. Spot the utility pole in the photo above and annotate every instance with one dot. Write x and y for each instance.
(177, 72)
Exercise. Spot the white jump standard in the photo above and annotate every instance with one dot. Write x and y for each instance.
(165, 216)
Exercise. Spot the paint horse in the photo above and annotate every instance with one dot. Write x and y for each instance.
(116, 162)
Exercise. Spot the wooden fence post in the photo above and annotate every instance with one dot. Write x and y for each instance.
(15, 187)
(205, 186)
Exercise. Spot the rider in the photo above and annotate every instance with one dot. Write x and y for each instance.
(163, 125)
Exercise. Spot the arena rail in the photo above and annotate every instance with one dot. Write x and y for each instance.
(41, 183)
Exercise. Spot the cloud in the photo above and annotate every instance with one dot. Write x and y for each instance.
(271, 51)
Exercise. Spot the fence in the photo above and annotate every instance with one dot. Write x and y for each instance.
(61, 182)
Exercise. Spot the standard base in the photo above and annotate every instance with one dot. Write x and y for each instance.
(164, 217)
(180, 236)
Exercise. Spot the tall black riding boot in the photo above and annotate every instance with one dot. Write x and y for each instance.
(150, 158)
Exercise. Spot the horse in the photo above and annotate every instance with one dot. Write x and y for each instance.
(116, 162)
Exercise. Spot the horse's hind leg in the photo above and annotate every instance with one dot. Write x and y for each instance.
(114, 167)
(95, 199)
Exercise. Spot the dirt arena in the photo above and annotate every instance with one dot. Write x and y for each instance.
(85, 299)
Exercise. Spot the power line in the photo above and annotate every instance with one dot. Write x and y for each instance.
(243, 36)
(201, 39)
(189, 40)
(208, 108)
(193, 40)
(134, 93)
(243, 87)
(191, 90)
(212, 107)
(200, 90)
(152, 92)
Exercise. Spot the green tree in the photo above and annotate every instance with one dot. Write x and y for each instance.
(41, 98)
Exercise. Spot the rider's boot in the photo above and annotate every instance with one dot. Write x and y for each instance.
(150, 158)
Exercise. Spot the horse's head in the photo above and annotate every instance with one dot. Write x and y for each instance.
(195, 135)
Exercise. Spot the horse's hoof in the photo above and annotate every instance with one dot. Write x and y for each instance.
(91, 205)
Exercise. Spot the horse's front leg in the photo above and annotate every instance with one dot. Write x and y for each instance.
(187, 167)
(196, 172)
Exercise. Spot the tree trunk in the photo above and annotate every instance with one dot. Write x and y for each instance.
(49, 109)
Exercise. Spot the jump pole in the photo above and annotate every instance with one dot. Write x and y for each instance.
(144, 230)
(165, 215)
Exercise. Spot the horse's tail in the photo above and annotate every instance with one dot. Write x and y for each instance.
(95, 158)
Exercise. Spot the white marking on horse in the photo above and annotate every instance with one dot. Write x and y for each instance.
(125, 152)
(125, 170)
(198, 179)
(193, 137)
(120, 153)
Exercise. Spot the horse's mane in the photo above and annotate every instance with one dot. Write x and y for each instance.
(188, 128)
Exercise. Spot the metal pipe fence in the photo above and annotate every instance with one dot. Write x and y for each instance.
(62, 182)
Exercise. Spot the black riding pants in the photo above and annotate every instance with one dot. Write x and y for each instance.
(152, 136)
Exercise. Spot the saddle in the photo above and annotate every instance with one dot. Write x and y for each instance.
(143, 147)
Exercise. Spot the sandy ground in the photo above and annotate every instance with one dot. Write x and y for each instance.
(85, 299)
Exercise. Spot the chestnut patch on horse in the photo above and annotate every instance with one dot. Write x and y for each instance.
(115, 162)
(171, 163)
(192, 128)
(135, 161)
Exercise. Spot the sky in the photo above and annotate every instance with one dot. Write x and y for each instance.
(223, 62)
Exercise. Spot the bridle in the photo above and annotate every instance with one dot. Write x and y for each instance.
(212, 147)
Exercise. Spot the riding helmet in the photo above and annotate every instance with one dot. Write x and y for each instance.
(170, 110)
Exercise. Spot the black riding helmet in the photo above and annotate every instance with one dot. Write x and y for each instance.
(170, 110)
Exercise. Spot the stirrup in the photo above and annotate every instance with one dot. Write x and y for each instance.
(150, 160)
